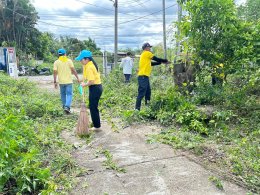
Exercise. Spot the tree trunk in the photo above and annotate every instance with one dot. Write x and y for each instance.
(14, 14)
(185, 73)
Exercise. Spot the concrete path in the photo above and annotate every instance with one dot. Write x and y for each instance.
(151, 169)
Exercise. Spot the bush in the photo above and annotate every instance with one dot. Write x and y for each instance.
(26, 135)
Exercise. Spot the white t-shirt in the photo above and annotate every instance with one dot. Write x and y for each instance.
(127, 64)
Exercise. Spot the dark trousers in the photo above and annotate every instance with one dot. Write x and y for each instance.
(95, 92)
(144, 90)
(127, 78)
(217, 81)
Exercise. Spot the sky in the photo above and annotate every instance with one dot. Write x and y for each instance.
(139, 21)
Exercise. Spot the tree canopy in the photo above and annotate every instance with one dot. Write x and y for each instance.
(17, 28)
(215, 33)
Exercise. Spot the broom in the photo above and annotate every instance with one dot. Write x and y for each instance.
(82, 126)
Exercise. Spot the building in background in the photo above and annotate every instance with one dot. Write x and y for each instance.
(8, 62)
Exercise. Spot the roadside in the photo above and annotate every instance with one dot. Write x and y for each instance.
(149, 168)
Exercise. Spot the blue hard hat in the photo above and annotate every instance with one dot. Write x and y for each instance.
(84, 54)
(61, 51)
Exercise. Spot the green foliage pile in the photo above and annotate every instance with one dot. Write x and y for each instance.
(33, 159)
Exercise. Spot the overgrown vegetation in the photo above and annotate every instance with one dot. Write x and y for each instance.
(219, 123)
(217, 182)
(33, 158)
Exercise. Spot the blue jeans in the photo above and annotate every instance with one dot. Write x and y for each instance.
(66, 94)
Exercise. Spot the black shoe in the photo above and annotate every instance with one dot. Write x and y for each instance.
(67, 110)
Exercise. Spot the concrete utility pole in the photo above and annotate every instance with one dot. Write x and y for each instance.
(116, 32)
(164, 31)
(104, 63)
(178, 49)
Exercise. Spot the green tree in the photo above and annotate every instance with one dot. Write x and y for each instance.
(47, 46)
(74, 45)
(92, 46)
(215, 34)
(250, 14)
(17, 22)
(250, 11)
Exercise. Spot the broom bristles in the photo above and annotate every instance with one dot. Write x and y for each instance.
(82, 126)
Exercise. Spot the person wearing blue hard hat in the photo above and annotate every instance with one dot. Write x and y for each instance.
(63, 67)
(92, 76)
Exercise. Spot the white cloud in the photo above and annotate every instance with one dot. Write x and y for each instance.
(49, 5)
(95, 19)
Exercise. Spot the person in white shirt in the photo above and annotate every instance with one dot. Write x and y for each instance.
(127, 64)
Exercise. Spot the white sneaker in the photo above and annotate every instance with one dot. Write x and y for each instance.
(95, 129)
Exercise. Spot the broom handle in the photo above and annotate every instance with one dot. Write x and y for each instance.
(83, 92)
(83, 95)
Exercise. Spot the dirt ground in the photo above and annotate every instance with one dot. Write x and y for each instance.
(151, 169)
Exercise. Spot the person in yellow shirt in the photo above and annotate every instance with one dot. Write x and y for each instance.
(63, 67)
(218, 74)
(144, 72)
(92, 76)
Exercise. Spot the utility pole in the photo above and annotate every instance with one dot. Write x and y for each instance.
(116, 33)
(164, 31)
(178, 67)
(178, 49)
(104, 63)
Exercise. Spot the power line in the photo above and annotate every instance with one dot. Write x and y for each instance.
(140, 4)
(102, 7)
(95, 19)
(122, 35)
(16, 12)
(74, 27)
(86, 17)
(148, 14)
(111, 25)
(57, 25)
(95, 5)
(133, 3)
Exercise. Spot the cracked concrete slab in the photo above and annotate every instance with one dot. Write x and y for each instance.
(151, 169)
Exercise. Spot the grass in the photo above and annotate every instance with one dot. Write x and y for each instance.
(217, 182)
(109, 163)
(230, 133)
(33, 157)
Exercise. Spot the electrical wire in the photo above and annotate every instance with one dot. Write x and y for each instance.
(125, 22)
(102, 7)
(102, 27)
